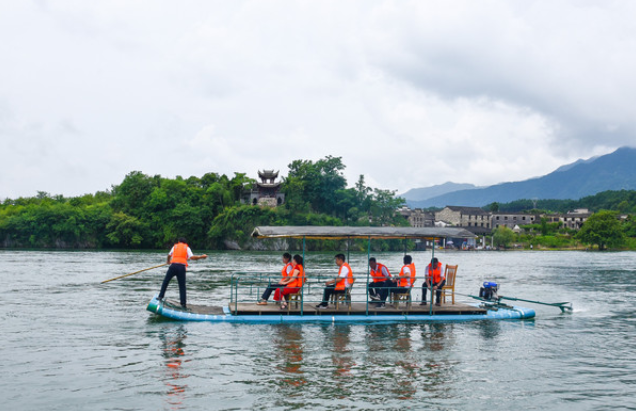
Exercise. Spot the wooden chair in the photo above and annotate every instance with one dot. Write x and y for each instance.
(397, 297)
(450, 274)
(345, 297)
(296, 298)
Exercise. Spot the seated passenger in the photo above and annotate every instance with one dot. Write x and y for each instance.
(287, 269)
(381, 281)
(294, 282)
(406, 278)
(435, 275)
(339, 284)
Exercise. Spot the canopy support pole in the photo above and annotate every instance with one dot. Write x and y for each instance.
(430, 279)
(368, 271)
(302, 288)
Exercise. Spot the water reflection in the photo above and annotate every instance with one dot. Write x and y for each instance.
(437, 369)
(406, 367)
(337, 347)
(341, 357)
(490, 329)
(288, 342)
(173, 352)
(437, 337)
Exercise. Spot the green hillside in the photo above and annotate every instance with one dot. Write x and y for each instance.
(152, 211)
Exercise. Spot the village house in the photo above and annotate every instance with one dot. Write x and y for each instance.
(474, 219)
(551, 218)
(482, 222)
(575, 219)
(418, 217)
(513, 221)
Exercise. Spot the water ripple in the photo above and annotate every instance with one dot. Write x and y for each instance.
(71, 343)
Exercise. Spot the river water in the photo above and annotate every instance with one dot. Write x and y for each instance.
(70, 343)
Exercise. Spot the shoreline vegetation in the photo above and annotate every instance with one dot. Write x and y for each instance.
(150, 212)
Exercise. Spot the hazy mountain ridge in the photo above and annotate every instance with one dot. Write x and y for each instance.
(614, 171)
(576, 163)
(424, 193)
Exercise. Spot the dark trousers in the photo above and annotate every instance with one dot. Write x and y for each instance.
(400, 290)
(270, 289)
(380, 289)
(438, 292)
(178, 270)
(329, 290)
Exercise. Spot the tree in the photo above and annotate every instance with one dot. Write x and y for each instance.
(294, 188)
(131, 194)
(629, 226)
(384, 207)
(363, 196)
(237, 223)
(125, 231)
(503, 236)
(549, 228)
(238, 184)
(315, 183)
(602, 229)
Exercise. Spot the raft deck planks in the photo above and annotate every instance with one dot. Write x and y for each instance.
(356, 309)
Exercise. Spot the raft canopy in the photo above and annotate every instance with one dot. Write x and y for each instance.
(345, 232)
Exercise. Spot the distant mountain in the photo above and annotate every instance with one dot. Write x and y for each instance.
(614, 171)
(576, 163)
(424, 193)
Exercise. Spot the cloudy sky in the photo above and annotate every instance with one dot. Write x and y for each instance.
(408, 93)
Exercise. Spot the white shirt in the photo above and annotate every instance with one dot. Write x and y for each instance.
(344, 273)
(406, 272)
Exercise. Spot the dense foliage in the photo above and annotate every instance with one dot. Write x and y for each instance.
(152, 211)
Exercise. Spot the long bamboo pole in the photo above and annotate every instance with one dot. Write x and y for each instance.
(136, 272)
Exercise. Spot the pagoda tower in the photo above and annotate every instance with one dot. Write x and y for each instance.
(267, 191)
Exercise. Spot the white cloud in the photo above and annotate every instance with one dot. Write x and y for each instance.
(408, 93)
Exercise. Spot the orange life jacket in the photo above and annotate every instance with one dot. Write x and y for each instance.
(300, 278)
(284, 272)
(347, 281)
(377, 273)
(407, 281)
(180, 254)
(436, 272)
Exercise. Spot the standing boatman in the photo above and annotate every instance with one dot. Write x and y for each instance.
(178, 259)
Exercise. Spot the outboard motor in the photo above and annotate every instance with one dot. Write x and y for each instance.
(489, 291)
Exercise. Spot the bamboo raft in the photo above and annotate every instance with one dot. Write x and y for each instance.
(241, 307)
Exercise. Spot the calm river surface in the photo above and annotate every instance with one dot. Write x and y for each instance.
(69, 343)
